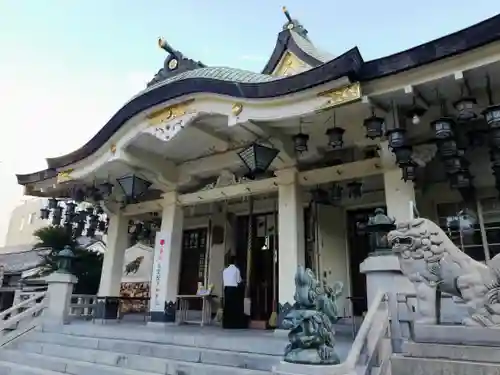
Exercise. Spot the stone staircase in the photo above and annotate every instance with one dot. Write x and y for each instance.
(86, 349)
(430, 359)
(456, 350)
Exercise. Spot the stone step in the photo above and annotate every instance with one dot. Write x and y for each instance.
(214, 338)
(401, 365)
(78, 367)
(9, 368)
(452, 352)
(141, 356)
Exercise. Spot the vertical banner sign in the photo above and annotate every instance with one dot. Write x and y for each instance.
(159, 274)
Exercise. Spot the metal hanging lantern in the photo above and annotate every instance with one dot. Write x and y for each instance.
(403, 154)
(257, 158)
(133, 187)
(53, 203)
(443, 127)
(101, 226)
(106, 189)
(336, 193)
(65, 260)
(354, 189)
(90, 232)
(80, 216)
(300, 142)
(98, 210)
(466, 108)
(454, 164)
(335, 137)
(460, 180)
(93, 221)
(78, 195)
(374, 126)
(80, 226)
(494, 138)
(321, 196)
(68, 226)
(44, 213)
(396, 137)
(378, 227)
(448, 148)
(70, 208)
(496, 171)
(409, 172)
(495, 156)
(57, 216)
(492, 116)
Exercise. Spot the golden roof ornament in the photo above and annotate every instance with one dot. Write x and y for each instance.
(293, 24)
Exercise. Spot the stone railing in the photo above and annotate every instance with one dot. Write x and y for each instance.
(83, 306)
(453, 311)
(371, 349)
(20, 317)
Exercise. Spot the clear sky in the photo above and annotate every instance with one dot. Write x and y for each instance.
(67, 66)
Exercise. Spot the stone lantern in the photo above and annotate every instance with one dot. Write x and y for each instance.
(65, 259)
(378, 227)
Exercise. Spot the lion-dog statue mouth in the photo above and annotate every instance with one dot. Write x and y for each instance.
(408, 241)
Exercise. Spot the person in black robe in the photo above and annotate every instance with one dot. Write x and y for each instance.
(233, 315)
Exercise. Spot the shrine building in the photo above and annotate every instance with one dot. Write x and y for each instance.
(288, 166)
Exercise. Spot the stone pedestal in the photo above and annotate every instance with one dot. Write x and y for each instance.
(60, 288)
(383, 272)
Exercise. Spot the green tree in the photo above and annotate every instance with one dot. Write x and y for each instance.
(87, 265)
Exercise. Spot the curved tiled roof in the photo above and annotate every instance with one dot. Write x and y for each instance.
(22, 258)
(214, 72)
(241, 84)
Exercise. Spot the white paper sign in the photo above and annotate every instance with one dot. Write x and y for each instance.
(158, 288)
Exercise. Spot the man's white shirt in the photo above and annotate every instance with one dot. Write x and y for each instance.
(231, 276)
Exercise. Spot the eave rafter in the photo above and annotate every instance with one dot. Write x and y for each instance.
(165, 172)
(221, 142)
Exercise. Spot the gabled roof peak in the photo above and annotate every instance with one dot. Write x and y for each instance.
(174, 64)
(294, 24)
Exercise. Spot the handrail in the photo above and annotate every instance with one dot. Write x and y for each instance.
(10, 310)
(359, 342)
(6, 324)
(18, 313)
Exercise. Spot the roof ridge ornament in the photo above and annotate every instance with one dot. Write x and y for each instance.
(174, 64)
(294, 24)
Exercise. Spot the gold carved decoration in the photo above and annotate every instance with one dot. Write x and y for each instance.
(169, 113)
(341, 95)
(113, 149)
(172, 64)
(64, 176)
(290, 65)
(237, 108)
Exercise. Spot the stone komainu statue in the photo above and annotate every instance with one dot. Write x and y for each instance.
(431, 260)
(311, 319)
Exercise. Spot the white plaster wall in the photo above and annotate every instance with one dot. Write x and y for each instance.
(333, 249)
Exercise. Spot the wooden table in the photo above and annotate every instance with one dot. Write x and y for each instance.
(206, 310)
